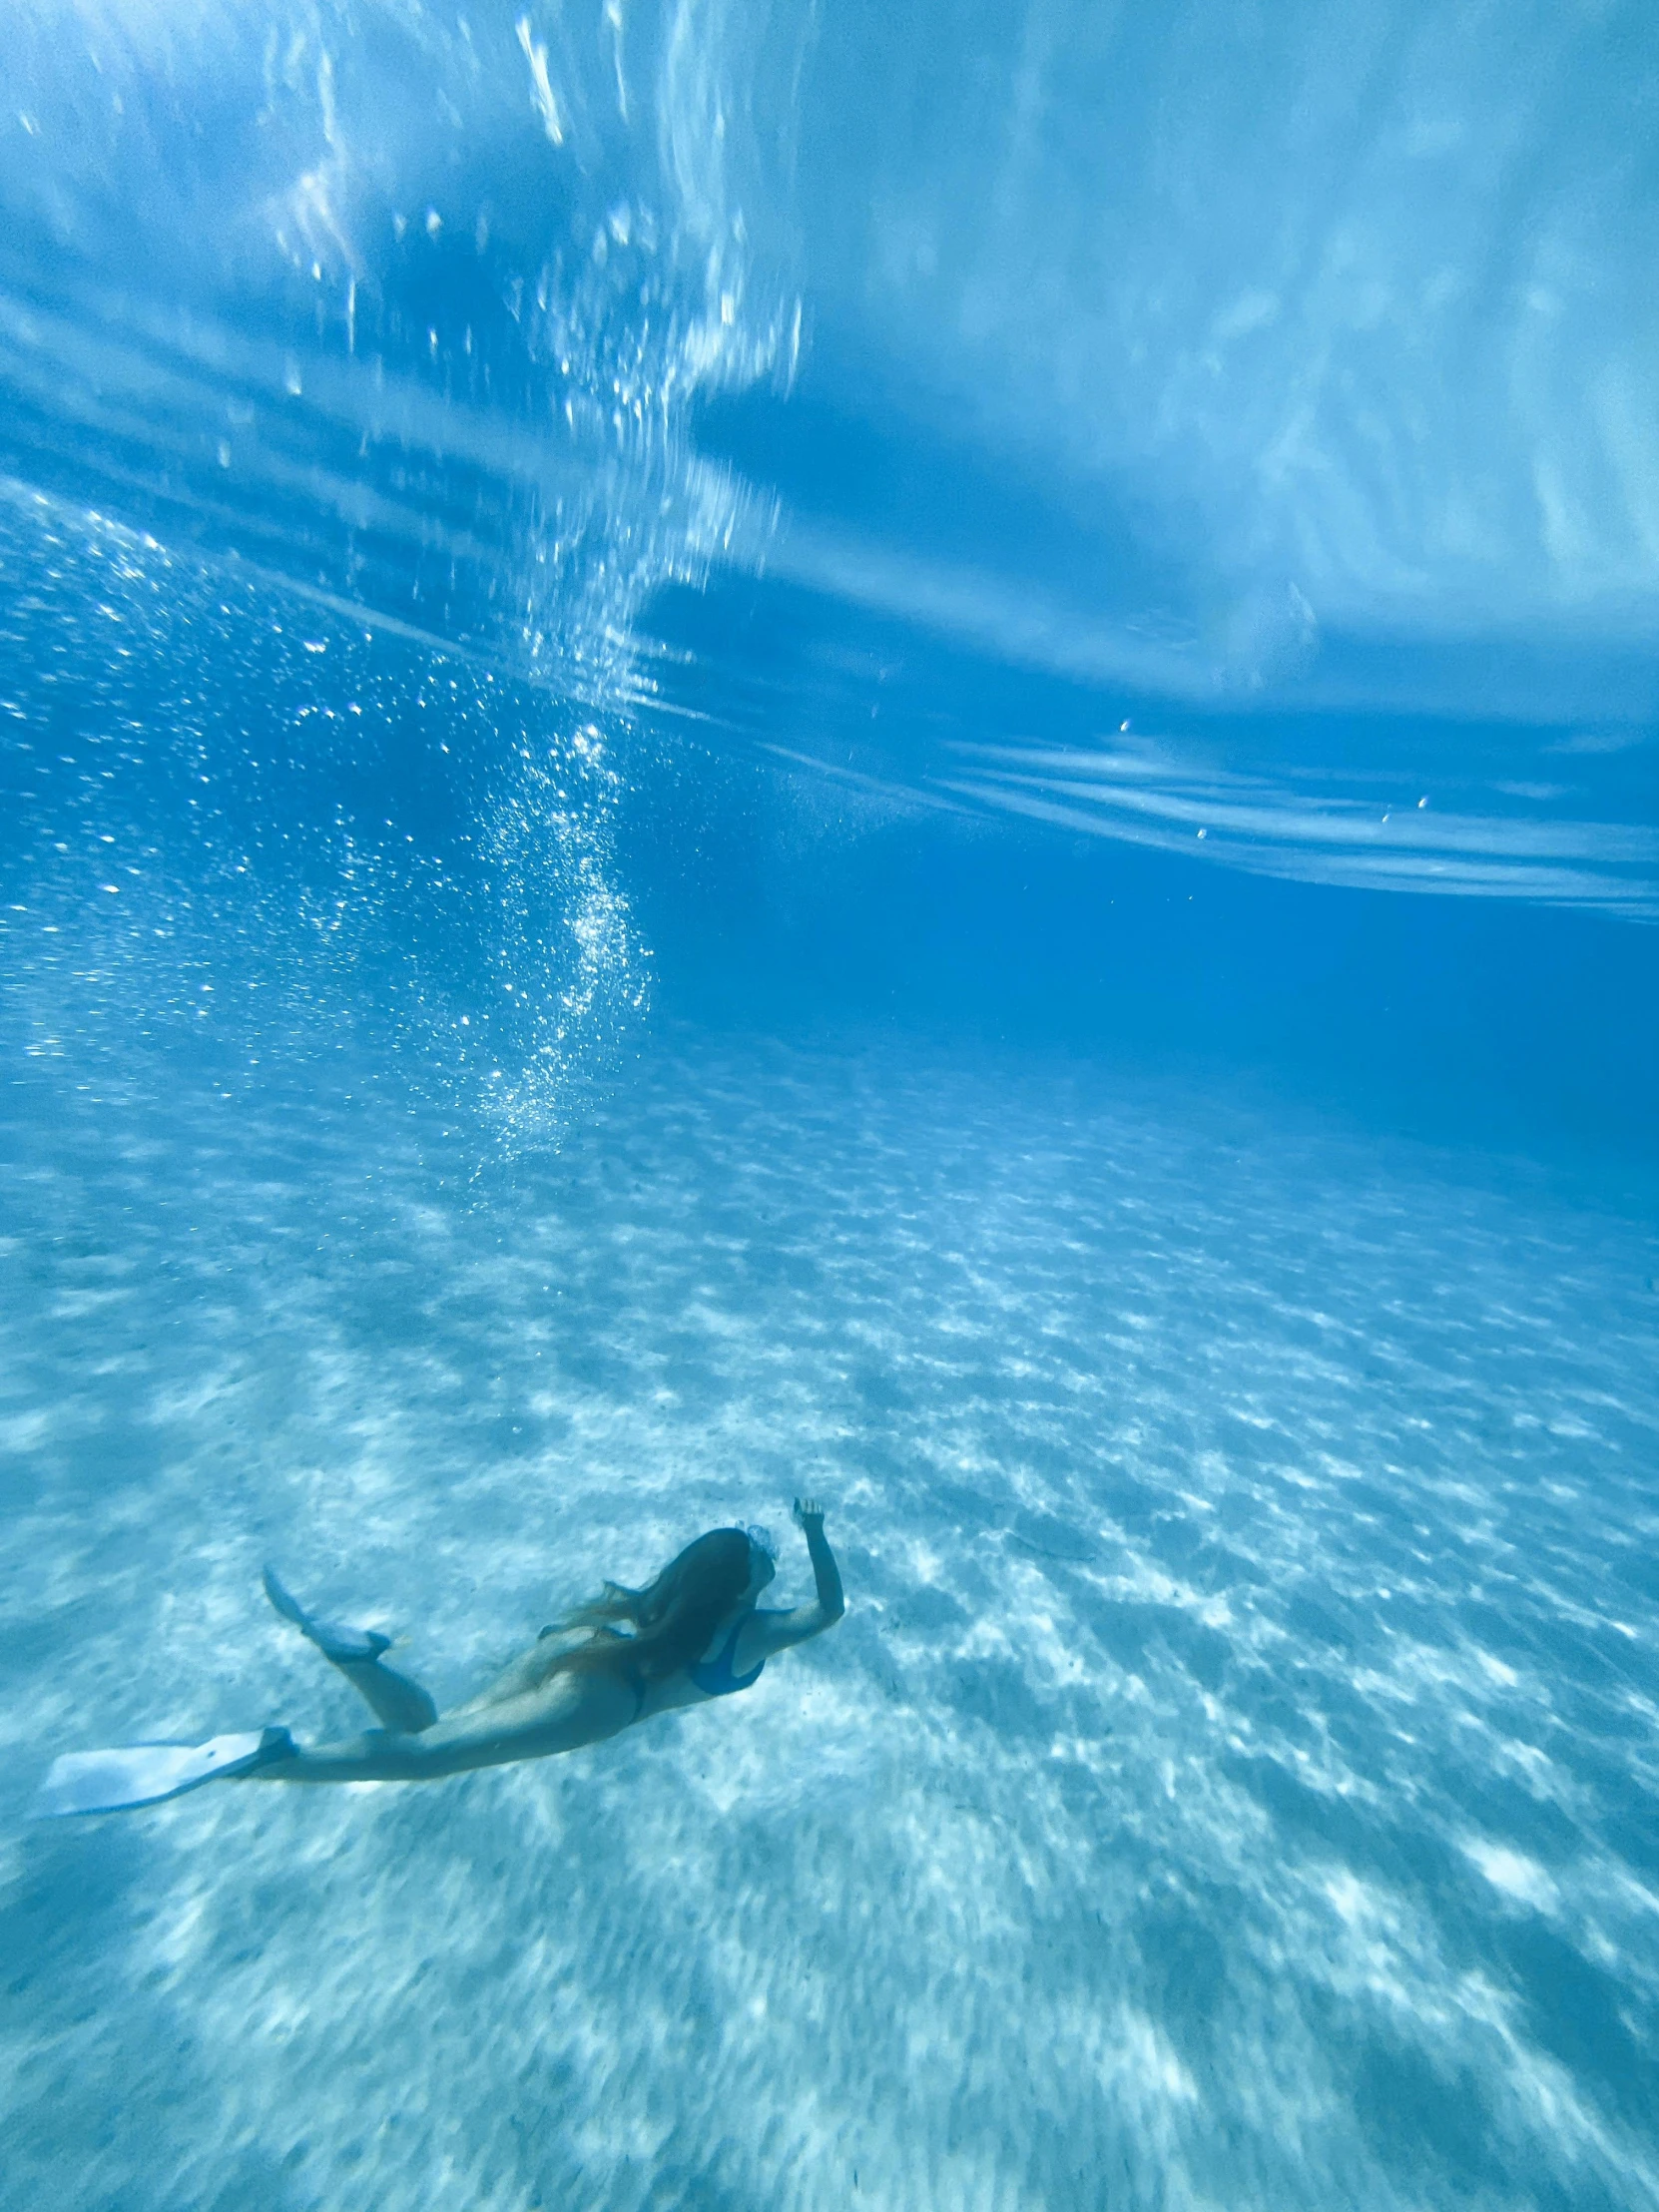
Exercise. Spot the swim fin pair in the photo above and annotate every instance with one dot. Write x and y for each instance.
(146, 1774)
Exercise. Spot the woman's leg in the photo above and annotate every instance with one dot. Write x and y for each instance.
(398, 1702)
(570, 1712)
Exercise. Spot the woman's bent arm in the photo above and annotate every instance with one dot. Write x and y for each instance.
(832, 1604)
(770, 1632)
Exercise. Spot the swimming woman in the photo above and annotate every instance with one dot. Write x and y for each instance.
(694, 1633)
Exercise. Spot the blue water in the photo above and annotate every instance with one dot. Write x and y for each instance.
(749, 750)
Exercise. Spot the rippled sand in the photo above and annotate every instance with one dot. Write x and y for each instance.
(1236, 1782)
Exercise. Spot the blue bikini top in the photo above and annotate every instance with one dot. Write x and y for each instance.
(714, 1677)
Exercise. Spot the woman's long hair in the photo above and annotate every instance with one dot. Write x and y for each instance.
(672, 1618)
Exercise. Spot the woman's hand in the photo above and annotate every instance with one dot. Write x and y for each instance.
(810, 1513)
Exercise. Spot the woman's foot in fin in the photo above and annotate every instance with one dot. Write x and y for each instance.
(147, 1774)
(345, 1646)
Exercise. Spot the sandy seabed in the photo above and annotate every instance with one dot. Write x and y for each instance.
(1234, 1784)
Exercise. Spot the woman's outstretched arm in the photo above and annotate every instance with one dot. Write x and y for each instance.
(770, 1632)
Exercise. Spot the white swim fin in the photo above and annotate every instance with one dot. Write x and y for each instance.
(146, 1774)
(399, 1703)
(350, 1646)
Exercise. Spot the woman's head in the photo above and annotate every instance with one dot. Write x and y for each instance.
(762, 1561)
(674, 1616)
(710, 1575)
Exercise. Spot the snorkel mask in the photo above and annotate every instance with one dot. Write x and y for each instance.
(763, 1557)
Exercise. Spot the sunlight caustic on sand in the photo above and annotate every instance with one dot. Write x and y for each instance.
(1225, 1787)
